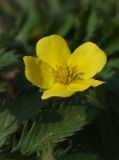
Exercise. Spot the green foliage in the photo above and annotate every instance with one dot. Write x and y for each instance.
(2, 157)
(91, 25)
(26, 106)
(81, 156)
(2, 87)
(82, 127)
(7, 58)
(52, 126)
(8, 125)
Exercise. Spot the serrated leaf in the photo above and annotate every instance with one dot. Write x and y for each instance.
(53, 126)
(23, 107)
(8, 125)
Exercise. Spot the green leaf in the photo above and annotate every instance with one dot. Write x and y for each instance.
(113, 63)
(112, 46)
(2, 87)
(97, 97)
(85, 27)
(26, 105)
(53, 126)
(65, 25)
(91, 25)
(23, 107)
(7, 125)
(111, 69)
(7, 58)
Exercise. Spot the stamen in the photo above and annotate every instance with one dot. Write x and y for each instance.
(64, 74)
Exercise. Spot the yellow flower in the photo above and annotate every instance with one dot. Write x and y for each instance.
(60, 73)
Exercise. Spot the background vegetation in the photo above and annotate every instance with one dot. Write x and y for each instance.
(82, 127)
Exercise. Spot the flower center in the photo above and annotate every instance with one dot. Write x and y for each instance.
(64, 74)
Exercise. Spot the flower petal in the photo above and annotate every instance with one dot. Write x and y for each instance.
(38, 72)
(89, 59)
(58, 90)
(53, 50)
(81, 85)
